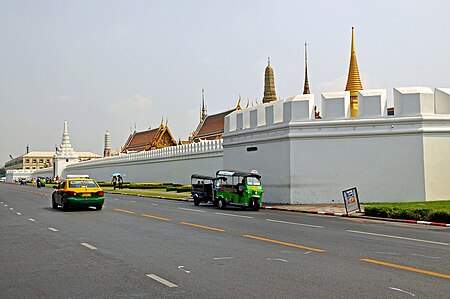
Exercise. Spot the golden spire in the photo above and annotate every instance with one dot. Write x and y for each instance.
(353, 81)
(306, 86)
(203, 112)
(269, 85)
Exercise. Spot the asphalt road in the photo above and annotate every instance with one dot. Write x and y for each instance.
(151, 248)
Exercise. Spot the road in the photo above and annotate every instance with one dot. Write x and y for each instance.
(152, 248)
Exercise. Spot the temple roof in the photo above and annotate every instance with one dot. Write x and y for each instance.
(211, 125)
(146, 140)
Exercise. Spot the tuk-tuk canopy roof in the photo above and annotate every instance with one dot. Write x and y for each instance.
(237, 173)
(202, 177)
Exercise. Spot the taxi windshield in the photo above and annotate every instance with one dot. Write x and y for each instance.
(82, 184)
(252, 181)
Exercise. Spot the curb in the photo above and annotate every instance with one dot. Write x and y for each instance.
(360, 216)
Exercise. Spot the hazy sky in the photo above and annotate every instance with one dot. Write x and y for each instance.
(105, 65)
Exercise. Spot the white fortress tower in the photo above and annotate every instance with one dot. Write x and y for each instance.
(65, 155)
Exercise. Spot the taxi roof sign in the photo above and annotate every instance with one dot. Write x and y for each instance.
(72, 176)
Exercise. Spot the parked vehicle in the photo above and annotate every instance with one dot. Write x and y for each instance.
(202, 188)
(78, 191)
(238, 188)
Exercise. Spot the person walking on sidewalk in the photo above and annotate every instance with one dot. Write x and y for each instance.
(114, 182)
(120, 181)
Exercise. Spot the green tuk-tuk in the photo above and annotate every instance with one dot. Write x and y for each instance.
(238, 188)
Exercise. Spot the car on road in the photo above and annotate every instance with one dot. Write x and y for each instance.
(78, 191)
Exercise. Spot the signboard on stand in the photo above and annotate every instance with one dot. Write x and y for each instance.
(351, 200)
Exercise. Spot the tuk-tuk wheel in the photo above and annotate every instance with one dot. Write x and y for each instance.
(256, 206)
(196, 200)
(222, 203)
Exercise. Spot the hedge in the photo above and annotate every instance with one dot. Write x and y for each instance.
(423, 214)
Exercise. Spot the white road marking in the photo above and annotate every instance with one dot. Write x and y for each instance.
(19, 213)
(281, 260)
(232, 215)
(399, 290)
(186, 209)
(31, 219)
(307, 252)
(162, 280)
(116, 199)
(11, 209)
(430, 257)
(181, 268)
(53, 229)
(295, 223)
(388, 253)
(6, 205)
(133, 201)
(154, 204)
(398, 237)
(88, 246)
(223, 258)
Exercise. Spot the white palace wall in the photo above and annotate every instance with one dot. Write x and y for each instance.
(173, 164)
(389, 159)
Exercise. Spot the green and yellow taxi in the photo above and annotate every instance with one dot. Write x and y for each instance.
(78, 191)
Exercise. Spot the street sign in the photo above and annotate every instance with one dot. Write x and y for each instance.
(351, 200)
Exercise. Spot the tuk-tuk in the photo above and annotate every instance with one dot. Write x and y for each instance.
(238, 188)
(202, 188)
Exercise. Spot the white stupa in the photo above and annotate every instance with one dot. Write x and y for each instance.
(65, 155)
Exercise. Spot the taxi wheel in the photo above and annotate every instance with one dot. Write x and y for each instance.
(54, 204)
(64, 205)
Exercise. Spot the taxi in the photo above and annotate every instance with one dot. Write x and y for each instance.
(78, 191)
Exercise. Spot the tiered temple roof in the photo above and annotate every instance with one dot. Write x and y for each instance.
(149, 140)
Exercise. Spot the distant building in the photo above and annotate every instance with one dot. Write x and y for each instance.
(40, 160)
(150, 139)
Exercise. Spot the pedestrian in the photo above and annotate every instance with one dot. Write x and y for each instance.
(114, 182)
(38, 182)
(120, 181)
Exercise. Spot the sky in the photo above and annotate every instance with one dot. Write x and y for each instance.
(112, 65)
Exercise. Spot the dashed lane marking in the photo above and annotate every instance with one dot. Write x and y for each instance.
(202, 226)
(31, 219)
(162, 281)
(192, 210)
(155, 217)
(19, 213)
(406, 268)
(125, 211)
(397, 237)
(232, 215)
(88, 246)
(11, 209)
(53, 229)
(294, 223)
(284, 243)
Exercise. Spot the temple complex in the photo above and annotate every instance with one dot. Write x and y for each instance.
(353, 80)
(269, 85)
(107, 149)
(306, 85)
(150, 139)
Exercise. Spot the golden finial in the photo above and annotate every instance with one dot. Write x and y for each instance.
(353, 80)
(248, 103)
(238, 106)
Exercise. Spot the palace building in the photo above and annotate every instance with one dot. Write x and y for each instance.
(150, 139)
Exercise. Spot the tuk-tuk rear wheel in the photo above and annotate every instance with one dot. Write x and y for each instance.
(196, 200)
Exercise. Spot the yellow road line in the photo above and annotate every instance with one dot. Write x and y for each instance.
(284, 243)
(125, 211)
(202, 226)
(406, 268)
(155, 217)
